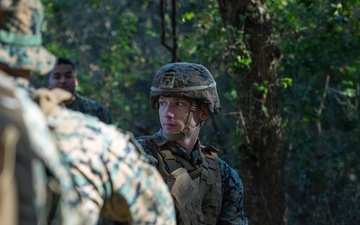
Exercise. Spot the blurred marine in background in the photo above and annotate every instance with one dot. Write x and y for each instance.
(66, 167)
(64, 76)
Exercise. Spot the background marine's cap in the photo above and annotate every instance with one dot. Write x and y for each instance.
(20, 36)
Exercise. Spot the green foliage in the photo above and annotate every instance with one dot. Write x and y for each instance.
(112, 44)
(320, 108)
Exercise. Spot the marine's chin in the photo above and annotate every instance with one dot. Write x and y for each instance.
(170, 130)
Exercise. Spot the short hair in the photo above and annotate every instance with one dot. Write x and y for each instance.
(65, 61)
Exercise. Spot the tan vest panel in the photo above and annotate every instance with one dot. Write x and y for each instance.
(197, 192)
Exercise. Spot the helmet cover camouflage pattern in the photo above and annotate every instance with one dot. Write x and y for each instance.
(20, 36)
(185, 80)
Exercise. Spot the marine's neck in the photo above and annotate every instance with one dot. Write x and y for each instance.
(189, 142)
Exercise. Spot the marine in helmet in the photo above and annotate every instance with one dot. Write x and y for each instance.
(205, 189)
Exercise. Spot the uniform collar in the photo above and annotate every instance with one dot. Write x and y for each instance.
(194, 156)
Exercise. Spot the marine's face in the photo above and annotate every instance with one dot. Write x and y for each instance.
(174, 112)
(63, 76)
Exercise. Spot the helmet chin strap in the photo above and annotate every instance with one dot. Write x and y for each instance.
(187, 129)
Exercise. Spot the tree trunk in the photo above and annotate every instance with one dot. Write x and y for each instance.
(262, 162)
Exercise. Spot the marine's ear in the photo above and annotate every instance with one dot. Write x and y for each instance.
(76, 81)
(204, 112)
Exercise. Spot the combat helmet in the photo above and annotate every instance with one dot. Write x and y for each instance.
(185, 80)
(20, 36)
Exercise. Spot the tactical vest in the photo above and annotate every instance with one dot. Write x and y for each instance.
(197, 192)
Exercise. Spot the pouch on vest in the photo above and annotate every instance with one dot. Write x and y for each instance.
(186, 196)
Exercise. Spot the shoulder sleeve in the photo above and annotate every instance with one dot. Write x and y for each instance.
(91, 107)
(104, 115)
(110, 173)
(98, 110)
(146, 149)
(232, 211)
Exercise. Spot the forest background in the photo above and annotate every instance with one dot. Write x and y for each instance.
(311, 91)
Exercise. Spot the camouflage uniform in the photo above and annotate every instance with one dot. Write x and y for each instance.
(110, 176)
(38, 167)
(218, 197)
(16, 159)
(91, 107)
(51, 175)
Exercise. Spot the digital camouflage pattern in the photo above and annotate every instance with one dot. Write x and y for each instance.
(232, 208)
(15, 162)
(188, 80)
(114, 180)
(20, 36)
(91, 107)
(51, 176)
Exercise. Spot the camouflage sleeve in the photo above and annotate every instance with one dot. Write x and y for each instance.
(145, 147)
(232, 211)
(104, 115)
(110, 174)
(48, 159)
(91, 107)
(96, 109)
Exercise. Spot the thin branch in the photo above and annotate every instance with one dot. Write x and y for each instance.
(245, 128)
(174, 48)
(173, 25)
(322, 104)
(162, 22)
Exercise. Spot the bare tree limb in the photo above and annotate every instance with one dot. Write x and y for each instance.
(322, 104)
